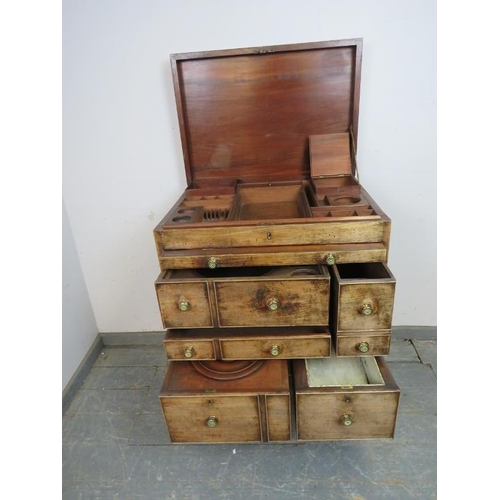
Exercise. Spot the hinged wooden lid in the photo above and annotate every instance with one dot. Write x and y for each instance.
(330, 155)
(247, 114)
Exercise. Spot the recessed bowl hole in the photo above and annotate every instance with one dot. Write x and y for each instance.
(346, 200)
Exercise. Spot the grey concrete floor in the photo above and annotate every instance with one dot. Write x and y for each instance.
(116, 446)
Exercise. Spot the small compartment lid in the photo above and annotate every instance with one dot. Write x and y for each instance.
(247, 114)
(330, 155)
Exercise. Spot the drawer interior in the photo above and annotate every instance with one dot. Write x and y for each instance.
(338, 372)
(246, 272)
(370, 270)
(270, 202)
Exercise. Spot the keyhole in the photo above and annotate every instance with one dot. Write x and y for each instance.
(269, 236)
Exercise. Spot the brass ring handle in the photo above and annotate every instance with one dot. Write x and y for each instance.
(346, 419)
(363, 347)
(273, 304)
(367, 309)
(330, 259)
(275, 350)
(212, 262)
(212, 421)
(184, 305)
(189, 351)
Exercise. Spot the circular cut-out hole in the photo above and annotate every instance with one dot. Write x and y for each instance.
(185, 210)
(346, 200)
(181, 218)
(304, 272)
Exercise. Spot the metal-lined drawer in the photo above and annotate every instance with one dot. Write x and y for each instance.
(350, 398)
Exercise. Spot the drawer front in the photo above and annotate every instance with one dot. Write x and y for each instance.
(184, 305)
(326, 416)
(355, 300)
(312, 346)
(363, 345)
(217, 419)
(189, 349)
(273, 303)
(364, 296)
(278, 417)
(277, 256)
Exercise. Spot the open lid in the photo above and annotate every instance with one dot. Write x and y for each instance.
(248, 113)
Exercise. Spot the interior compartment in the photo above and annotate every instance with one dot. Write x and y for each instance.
(370, 270)
(338, 372)
(220, 272)
(207, 187)
(247, 272)
(332, 185)
(338, 212)
(215, 214)
(271, 202)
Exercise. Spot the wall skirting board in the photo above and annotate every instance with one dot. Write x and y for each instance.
(81, 372)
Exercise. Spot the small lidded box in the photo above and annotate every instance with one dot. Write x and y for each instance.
(332, 163)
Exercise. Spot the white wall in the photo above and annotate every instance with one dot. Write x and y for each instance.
(79, 328)
(122, 156)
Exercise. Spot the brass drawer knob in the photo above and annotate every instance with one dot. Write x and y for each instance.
(346, 419)
(363, 347)
(275, 350)
(273, 304)
(330, 259)
(189, 351)
(184, 305)
(212, 262)
(212, 421)
(367, 309)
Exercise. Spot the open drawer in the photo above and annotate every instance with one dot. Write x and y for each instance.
(244, 297)
(344, 398)
(363, 297)
(248, 343)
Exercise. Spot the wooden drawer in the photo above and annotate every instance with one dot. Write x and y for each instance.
(276, 256)
(248, 343)
(198, 409)
(363, 345)
(189, 345)
(184, 304)
(344, 398)
(363, 297)
(244, 297)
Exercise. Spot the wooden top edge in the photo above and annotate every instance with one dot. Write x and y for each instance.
(267, 49)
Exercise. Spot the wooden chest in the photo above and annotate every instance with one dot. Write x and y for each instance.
(274, 251)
